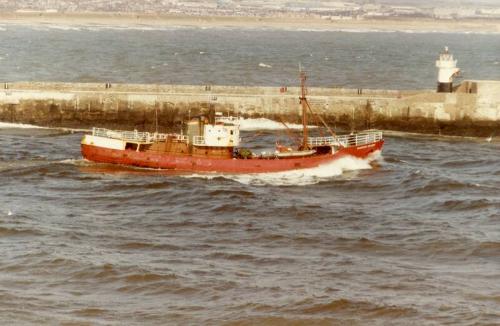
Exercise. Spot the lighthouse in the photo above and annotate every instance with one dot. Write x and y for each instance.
(447, 70)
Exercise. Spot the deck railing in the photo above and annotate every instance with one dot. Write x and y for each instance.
(136, 136)
(229, 119)
(198, 141)
(363, 138)
(147, 137)
(320, 141)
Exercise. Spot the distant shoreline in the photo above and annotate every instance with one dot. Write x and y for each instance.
(138, 20)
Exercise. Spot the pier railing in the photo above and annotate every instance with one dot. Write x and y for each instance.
(347, 140)
(136, 136)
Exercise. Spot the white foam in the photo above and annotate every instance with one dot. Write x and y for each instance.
(300, 177)
(266, 124)
(65, 27)
(6, 125)
(94, 27)
(145, 27)
(72, 161)
(263, 65)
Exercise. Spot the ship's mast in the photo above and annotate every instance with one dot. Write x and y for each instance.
(303, 101)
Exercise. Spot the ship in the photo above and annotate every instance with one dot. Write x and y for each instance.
(212, 144)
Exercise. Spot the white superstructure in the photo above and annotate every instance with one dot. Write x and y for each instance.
(447, 70)
(221, 135)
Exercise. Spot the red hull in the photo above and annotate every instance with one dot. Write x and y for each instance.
(157, 160)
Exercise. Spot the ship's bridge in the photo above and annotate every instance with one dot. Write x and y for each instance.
(219, 135)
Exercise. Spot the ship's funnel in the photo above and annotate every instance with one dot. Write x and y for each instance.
(447, 70)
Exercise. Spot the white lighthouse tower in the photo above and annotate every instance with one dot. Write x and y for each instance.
(447, 70)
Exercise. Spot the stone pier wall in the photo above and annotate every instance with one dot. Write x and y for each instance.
(473, 109)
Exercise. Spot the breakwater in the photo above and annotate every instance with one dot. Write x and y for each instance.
(473, 109)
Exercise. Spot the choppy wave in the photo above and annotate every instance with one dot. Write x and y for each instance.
(13, 232)
(412, 239)
(74, 161)
(391, 31)
(5, 125)
(94, 27)
(357, 307)
(22, 166)
(238, 58)
(145, 27)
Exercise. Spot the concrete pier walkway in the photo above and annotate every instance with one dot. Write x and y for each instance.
(473, 109)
